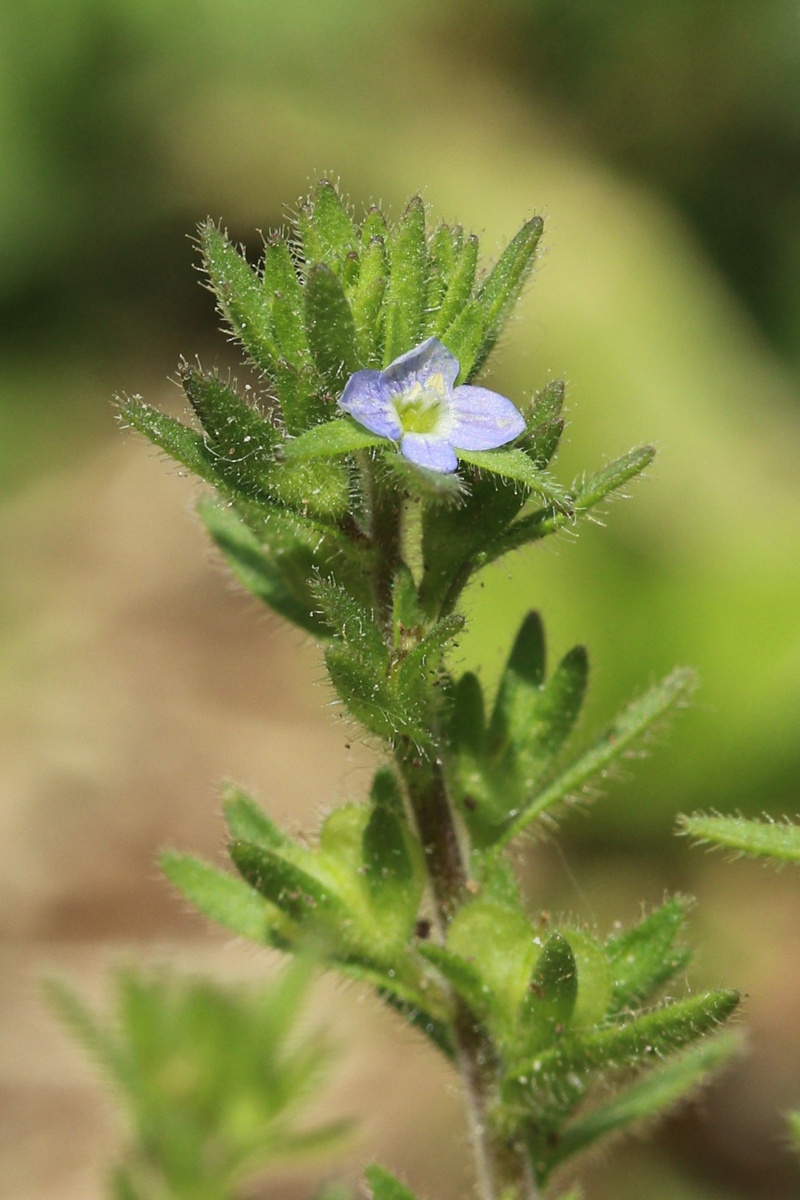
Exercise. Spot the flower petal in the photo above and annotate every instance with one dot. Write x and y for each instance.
(428, 451)
(482, 420)
(418, 365)
(370, 403)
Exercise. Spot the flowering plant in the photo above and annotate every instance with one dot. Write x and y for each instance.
(367, 337)
(415, 401)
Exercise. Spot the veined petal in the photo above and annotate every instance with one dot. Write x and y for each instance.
(482, 420)
(427, 450)
(369, 402)
(419, 365)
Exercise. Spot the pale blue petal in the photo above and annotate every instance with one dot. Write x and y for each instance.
(431, 452)
(482, 420)
(367, 400)
(418, 365)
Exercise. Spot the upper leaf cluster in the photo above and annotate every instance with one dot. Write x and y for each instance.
(298, 481)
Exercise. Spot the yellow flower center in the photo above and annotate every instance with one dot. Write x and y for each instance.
(420, 409)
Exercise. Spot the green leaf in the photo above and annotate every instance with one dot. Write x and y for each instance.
(240, 439)
(461, 279)
(544, 425)
(643, 959)
(320, 488)
(541, 443)
(225, 899)
(650, 1096)
(442, 250)
(329, 326)
(593, 488)
(174, 438)
(595, 979)
(644, 1039)
(630, 725)
(385, 792)
(498, 941)
(405, 295)
(388, 869)
(408, 619)
(259, 572)
(370, 700)
(553, 714)
(384, 1186)
(548, 1004)
(328, 233)
(469, 722)
(425, 1011)
(248, 822)
(463, 339)
(454, 538)
(284, 290)
(547, 404)
(430, 487)
(500, 290)
(83, 1026)
(464, 978)
(373, 226)
(367, 302)
(516, 466)
(340, 436)
(241, 297)
(586, 493)
(353, 623)
(425, 656)
(301, 392)
(531, 528)
(520, 683)
(770, 838)
(298, 893)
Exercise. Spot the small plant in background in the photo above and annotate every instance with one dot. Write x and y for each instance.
(357, 491)
(211, 1080)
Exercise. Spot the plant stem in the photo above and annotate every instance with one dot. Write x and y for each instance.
(386, 537)
(502, 1166)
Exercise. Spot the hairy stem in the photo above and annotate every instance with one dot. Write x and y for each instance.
(386, 538)
(502, 1166)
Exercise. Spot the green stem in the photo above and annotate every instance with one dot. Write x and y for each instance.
(386, 538)
(502, 1166)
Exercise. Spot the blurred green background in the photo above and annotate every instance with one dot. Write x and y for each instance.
(662, 144)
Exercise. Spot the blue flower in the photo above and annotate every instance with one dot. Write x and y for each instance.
(414, 401)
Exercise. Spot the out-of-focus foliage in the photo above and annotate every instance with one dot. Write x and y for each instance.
(210, 1079)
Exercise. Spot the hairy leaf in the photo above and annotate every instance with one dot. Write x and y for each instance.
(658, 1090)
(631, 724)
(405, 295)
(500, 290)
(643, 958)
(330, 327)
(339, 436)
(766, 839)
(241, 297)
(225, 899)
